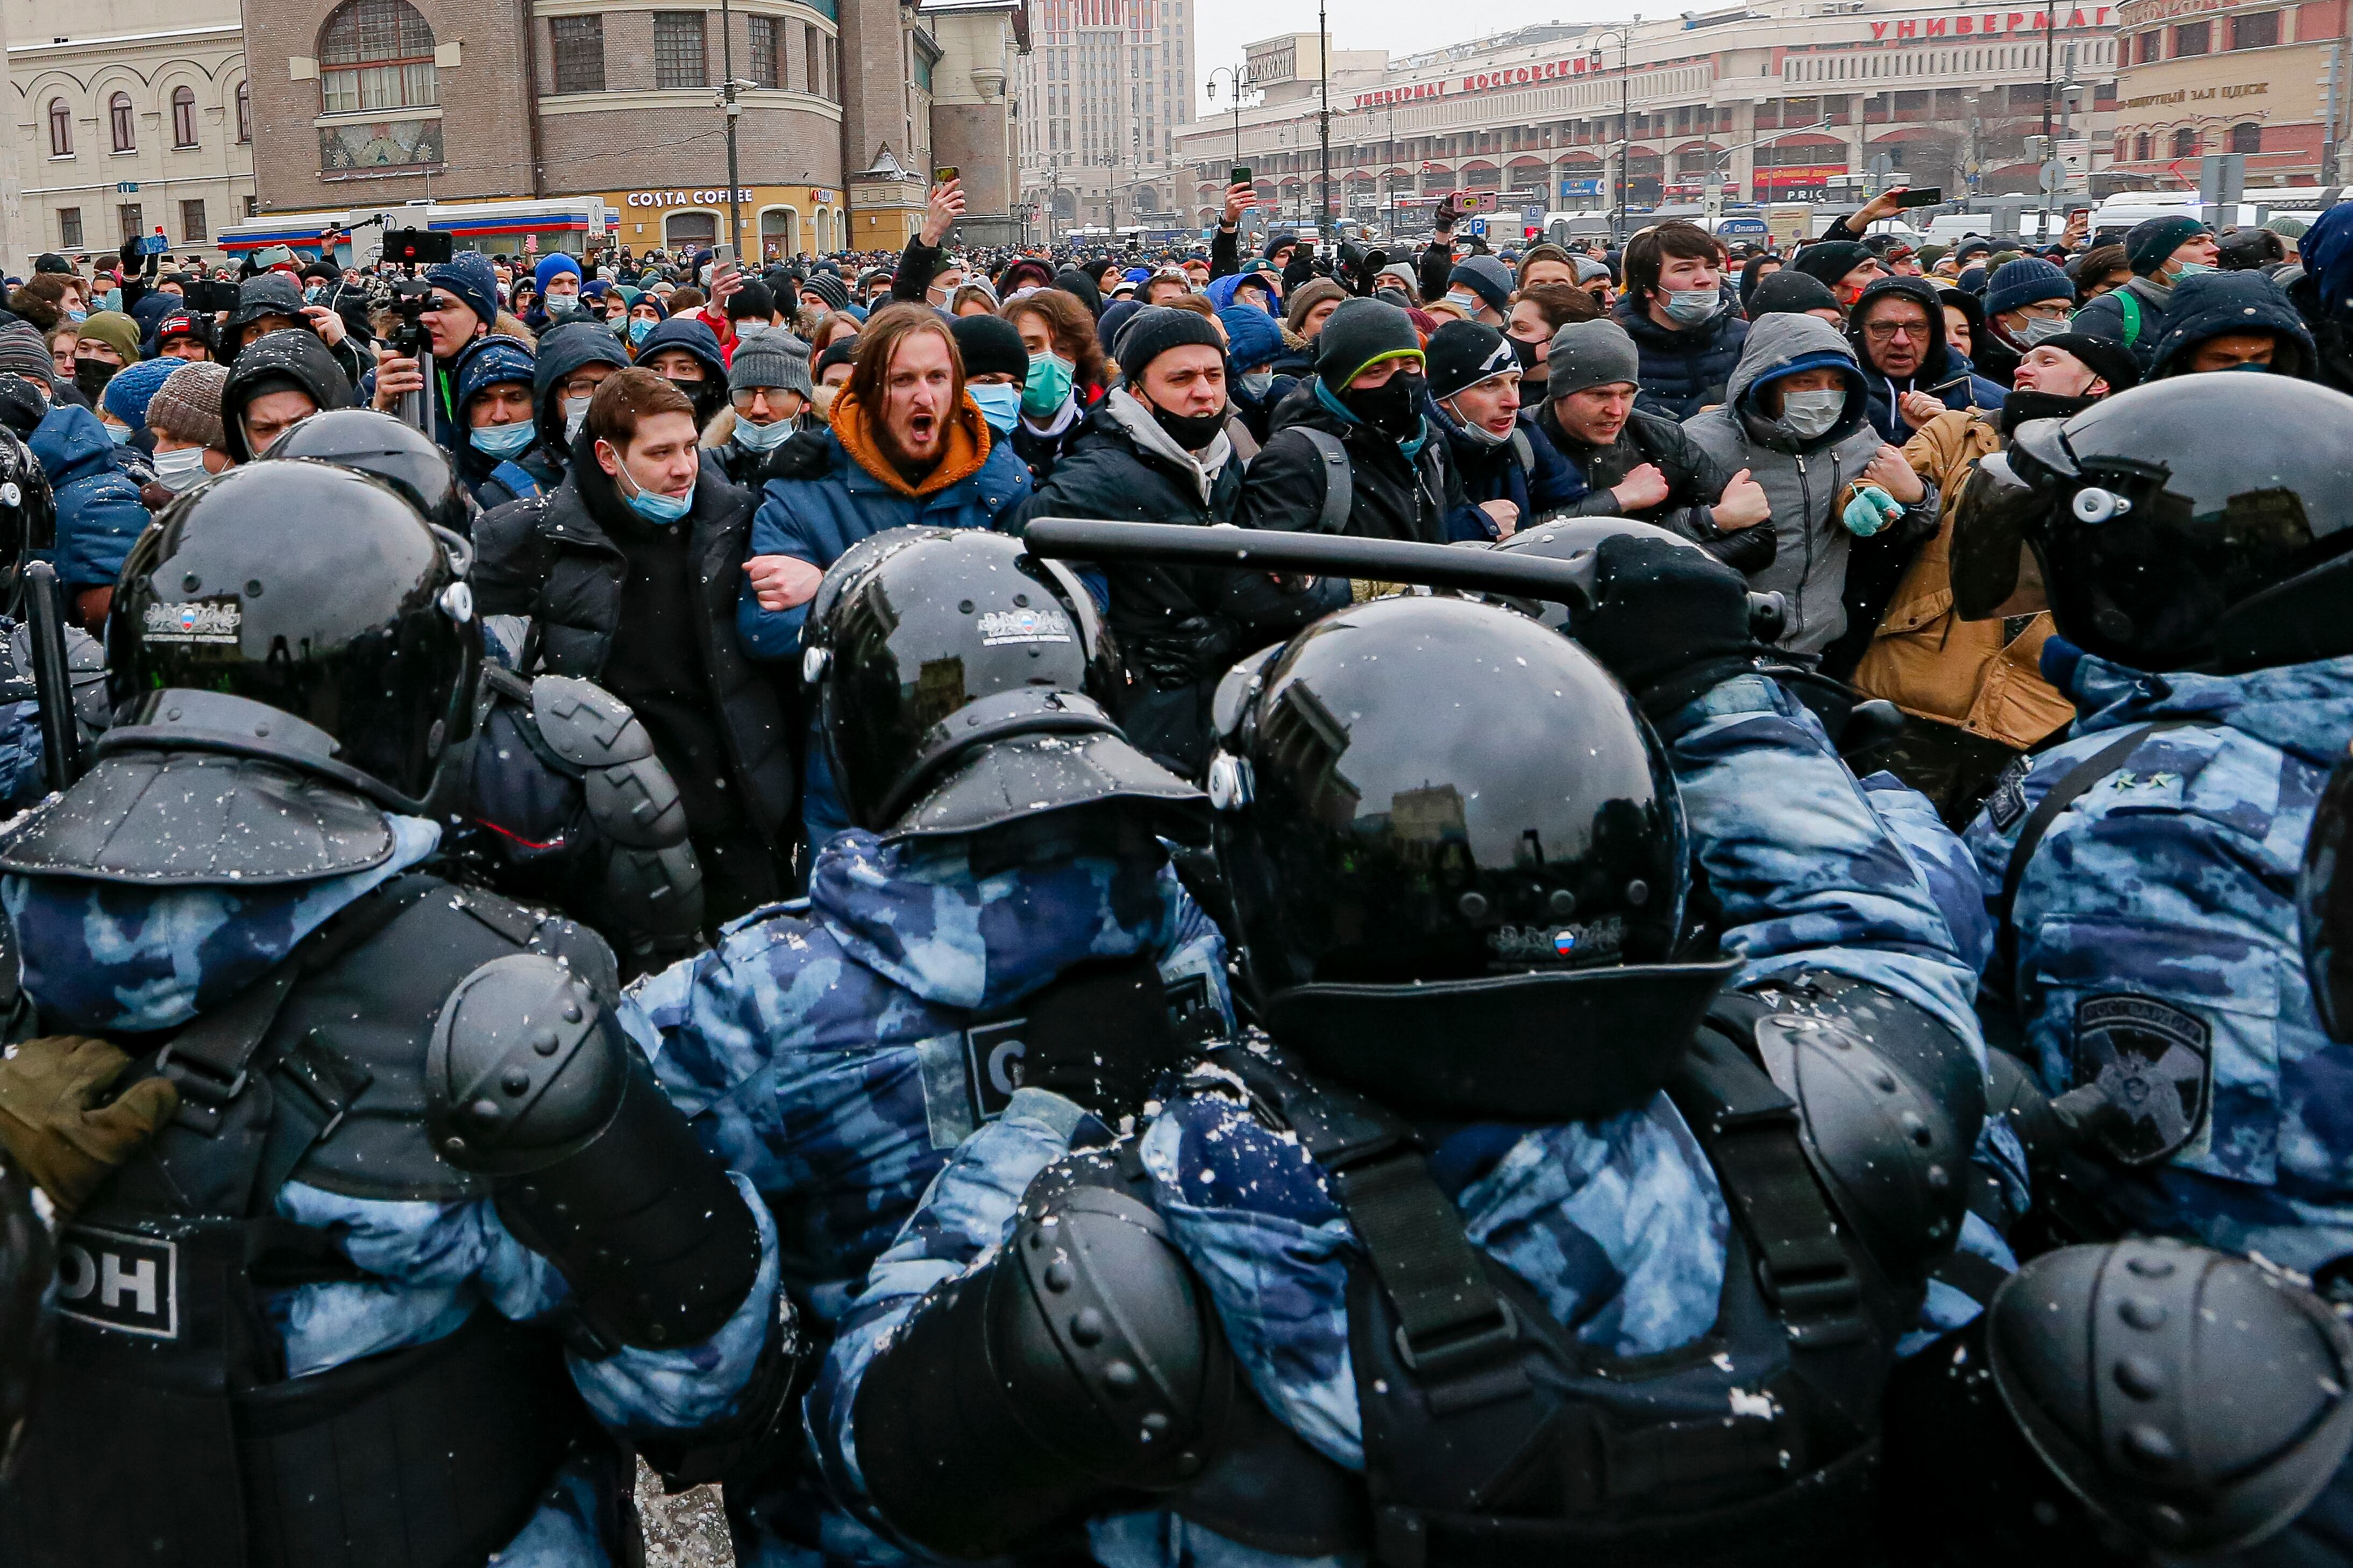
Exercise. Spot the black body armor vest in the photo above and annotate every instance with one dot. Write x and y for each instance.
(166, 1432)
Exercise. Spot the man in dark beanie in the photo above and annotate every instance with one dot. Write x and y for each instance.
(2161, 252)
(824, 292)
(1845, 266)
(996, 368)
(1642, 464)
(1156, 450)
(1361, 412)
(1794, 293)
(1510, 471)
(2026, 301)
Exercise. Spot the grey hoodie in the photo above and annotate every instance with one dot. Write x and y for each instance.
(1146, 432)
(1804, 480)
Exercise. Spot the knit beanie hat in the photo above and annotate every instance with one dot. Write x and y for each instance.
(1360, 334)
(1486, 276)
(494, 361)
(2292, 228)
(132, 388)
(116, 331)
(1830, 260)
(780, 362)
(468, 275)
(187, 406)
(1305, 298)
(1590, 269)
(1598, 353)
(2028, 281)
(1252, 340)
(2110, 359)
(842, 351)
(1789, 292)
(1461, 354)
(2149, 244)
(22, 352)
(827, 287)
(989, 344)
(549, 266)
(1157, 329)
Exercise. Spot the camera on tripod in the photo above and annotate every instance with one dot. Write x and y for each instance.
(411, 298)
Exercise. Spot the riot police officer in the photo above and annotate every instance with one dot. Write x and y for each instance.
(1524, 1238)
(559, 798)
(417, 1234)
(29, 528)
(2141, 871)
(1003, 905)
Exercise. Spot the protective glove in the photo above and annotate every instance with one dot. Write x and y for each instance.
(1872, 510)
(1668, 621)
(1192, 649)
(1099, 1036)
(54, 1125)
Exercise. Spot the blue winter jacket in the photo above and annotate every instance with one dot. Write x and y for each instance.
(819, 504)
(99, 513)
(1681, 372)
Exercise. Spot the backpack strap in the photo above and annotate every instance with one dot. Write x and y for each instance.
(516, 478)
(1339, 484)
(2072, 786)
(1524, 451)
(2131, 308)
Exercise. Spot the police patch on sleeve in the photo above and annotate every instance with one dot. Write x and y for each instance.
(2007, 804)
(2154, 1064)
(127, 1283)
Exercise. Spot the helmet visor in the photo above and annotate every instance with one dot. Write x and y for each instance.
(1993, 574)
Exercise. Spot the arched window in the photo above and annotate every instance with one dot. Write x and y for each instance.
(375, 54)
(60, 128)
(183, 117)
(244, 112)
(126, 124)
(2141, 148)
(2247, 138)
(2185, 143)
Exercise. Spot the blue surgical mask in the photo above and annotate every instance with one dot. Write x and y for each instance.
(111, 299)
(1001, 405)
(638, 328)
(746, 332)
(77, 315)
(655, 507)
(501, 440)
(119, 433)
(2190, 269)
(762, 437)
(1258, 382)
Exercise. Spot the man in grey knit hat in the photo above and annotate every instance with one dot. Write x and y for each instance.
(767, 391)
(1641, 465)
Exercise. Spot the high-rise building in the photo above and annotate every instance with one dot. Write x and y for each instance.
(1105, 88)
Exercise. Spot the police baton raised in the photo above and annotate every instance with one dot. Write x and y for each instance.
(52, 678)
(1475, 570)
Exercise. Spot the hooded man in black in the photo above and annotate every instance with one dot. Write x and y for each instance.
(2232, 320)
(573, 357)
(273, 301)
(268, 387)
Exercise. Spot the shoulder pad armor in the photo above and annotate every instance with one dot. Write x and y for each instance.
(1888, 1116)
(526, 1066)
(2198, 1400)
(631, 798)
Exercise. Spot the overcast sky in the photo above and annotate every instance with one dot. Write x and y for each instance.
(1401, 27)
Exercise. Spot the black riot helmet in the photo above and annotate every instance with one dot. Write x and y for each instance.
(391, 449)
(2323, 904)
(28, 512)
(961, 683)
(1457, 862)
(302, 612)
(2166, 541)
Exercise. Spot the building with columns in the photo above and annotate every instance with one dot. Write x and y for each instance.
(1780, 101)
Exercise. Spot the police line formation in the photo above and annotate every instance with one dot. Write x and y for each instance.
(1342, 1039)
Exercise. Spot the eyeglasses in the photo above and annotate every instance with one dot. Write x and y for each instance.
(1887, 332)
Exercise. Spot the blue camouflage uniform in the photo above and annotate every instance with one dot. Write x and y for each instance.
(117, 959)
(821, 1050)
(2157, 947)
(1619, 1225)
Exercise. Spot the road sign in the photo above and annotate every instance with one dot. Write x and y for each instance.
(126, 187)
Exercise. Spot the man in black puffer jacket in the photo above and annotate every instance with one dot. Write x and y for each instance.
(1675, 310)
(625, 590)
(1156, 450)
(1639, 464)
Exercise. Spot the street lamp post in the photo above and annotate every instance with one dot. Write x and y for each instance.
(1238, 84)
(1324, 127)
(1624, 34)
(734, 110)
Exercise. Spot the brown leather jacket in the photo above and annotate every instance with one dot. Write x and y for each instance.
(1982, 676)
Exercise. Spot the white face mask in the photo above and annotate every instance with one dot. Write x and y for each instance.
(179, 470)
(575, 414)
(1809, 413)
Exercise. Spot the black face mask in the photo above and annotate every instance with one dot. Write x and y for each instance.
(704, 395)
(1190, 431)
(2022, 405)
(91, 376)
(1393, 408)
(1526, 352)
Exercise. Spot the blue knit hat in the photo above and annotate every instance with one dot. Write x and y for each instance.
(549, 266)
(1252, 340)
(493, 360)
(468, 275)
(132, 388)
(2028, 281)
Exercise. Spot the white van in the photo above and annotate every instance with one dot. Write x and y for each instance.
(1951, 228)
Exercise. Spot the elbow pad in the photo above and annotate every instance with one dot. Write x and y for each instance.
(1080, 1362)
(529, 1080)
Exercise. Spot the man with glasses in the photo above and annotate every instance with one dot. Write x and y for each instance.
(1910, 371)
(767, 390)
